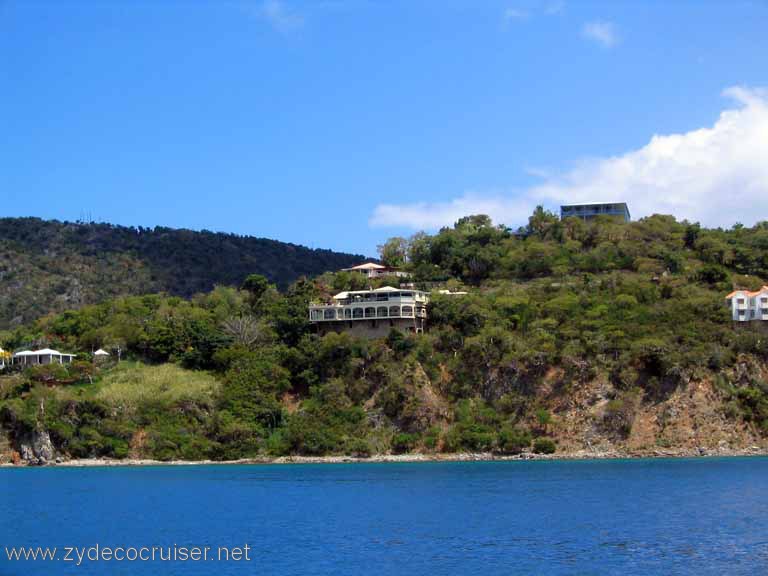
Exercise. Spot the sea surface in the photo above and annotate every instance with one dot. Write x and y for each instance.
(697, 516)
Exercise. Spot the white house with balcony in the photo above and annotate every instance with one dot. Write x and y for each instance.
(372, 313)
(749, 306)
(373, 270)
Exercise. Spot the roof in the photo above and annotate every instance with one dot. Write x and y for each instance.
(384, 289)
(43, 352)
(101, 352)
(595, 204)
(367, 266)
(746, 292)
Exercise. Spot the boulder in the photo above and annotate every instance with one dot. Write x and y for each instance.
(36, 447)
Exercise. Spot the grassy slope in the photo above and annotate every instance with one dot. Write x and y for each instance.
(127, 387)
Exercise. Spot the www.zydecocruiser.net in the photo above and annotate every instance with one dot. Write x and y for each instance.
(78, 555)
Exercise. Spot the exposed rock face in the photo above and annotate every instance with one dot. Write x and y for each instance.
(691, 420)
(6, 449)
(36, 447)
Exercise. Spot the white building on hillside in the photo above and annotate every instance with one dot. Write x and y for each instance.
(373, 270)
(44, 356)
(747, 306)
(594, 209)
(372, 313)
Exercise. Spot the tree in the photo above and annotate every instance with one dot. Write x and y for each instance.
(256, 285)
(692, 232)
(419, 249)
(244, 330)
(541, 222)
(251, 390)
(471, 224)
(394, 252)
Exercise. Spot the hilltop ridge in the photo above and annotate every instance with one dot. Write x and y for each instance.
(50, 266)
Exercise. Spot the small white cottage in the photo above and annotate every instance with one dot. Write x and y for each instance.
(100, 355)
(44, 356)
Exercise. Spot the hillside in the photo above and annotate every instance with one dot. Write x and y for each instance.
(573, 337)
(50, 266)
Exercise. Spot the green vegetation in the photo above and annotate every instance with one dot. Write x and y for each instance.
(132, 386)
(231, 373)
(51, 266)
(544, 446)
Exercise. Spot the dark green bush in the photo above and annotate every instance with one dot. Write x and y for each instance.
(403, 442)
(513, 440)
(544, 446)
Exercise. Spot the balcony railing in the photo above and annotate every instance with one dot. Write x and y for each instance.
(394, 297)
(344, 313)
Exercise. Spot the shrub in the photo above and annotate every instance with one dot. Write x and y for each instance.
(431, 438)
(544, 446)
(754, 405)
(543, 417)
(277, 444)
(49, 373)
(513, 440)
(472, 437)
(357, 447)
(403, 442)
(619, 414)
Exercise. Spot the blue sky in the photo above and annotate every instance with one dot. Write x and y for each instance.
(340, 123)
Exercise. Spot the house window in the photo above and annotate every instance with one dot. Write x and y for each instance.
(357, 313)
(347, 312)
(742, 312)
(329, 314)
(394, 310)
(407, 310)
(370, 312)
(381, 312)
(740, 300)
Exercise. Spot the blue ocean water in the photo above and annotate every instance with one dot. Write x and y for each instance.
(698, 516)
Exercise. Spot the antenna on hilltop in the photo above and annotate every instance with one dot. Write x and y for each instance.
(86, 217)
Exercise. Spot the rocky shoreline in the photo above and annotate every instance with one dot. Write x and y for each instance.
(419, 457)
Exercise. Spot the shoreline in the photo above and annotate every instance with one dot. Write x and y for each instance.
(409, 458)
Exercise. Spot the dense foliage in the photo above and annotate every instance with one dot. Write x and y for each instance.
(48, 266)
(549, 308)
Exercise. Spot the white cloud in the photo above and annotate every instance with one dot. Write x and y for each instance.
(430, 216)
(512, 14)
(554, 8)
(279, 15)
(519, 15)
(716, 175)
(602, 32)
